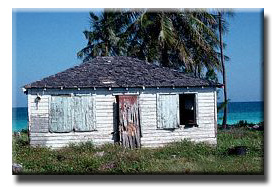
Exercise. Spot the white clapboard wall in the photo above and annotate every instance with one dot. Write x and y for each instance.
(39, 124)
(106, 121)
(206, 117)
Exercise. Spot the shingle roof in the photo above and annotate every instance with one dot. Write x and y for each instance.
(119, 72)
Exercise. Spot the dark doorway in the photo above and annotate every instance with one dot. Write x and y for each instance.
(115, 133)
(187, 110)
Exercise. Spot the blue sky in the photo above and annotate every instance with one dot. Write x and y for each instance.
(46, 42)
(245, 48)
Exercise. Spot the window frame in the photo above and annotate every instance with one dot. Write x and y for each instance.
(196, 106)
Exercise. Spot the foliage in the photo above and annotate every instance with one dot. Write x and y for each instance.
(183, 157)
(186, 39)
(211, 75)
(222, 105)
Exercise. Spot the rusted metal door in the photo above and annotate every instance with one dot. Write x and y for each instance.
(129, 123)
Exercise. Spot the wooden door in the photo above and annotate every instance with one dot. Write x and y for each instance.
(129, 122)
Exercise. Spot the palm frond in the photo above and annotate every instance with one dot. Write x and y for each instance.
(203, 28)
(222, 105)
(167, 34)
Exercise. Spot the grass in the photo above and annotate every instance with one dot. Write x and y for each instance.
(182, 157)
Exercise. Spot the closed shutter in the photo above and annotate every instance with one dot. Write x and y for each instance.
(167, 111)
(84, 113)
(77, 113)
(68, 113)
(60, 114)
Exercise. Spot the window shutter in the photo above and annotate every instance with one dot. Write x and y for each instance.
(77, 113)
(167, 111)
(67, 113)
(84, 113)
(60, 114)
(196, 109)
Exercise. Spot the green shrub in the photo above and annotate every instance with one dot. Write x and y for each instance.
(183, 157)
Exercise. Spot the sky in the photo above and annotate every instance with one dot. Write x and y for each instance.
(46, 42)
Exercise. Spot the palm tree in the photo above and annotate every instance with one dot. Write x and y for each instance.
(184, 39)
(179, 38)
(222, 25)
(102, 39)
(104, 36)
(223, 70)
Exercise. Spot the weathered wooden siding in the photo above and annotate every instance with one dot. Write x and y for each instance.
(38, 114)
(106, 120)
(39, 125)
(153, 137)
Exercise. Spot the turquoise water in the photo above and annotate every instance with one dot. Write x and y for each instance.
(252, 112)
(19, 118)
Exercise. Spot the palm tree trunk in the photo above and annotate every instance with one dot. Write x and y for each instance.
(199, 71)
(195, 71)
(224, 73)
(164, 54)
(106, 54)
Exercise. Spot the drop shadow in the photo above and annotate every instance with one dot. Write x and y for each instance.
(139, 178)
(265, 90)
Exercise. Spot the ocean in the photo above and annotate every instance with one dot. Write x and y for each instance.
(19, 118)
(252, 112)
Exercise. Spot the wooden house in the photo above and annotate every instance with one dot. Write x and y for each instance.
(121, 99)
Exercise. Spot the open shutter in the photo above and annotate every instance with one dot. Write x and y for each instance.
(167, 111)
(196, 111)
(60, 114)
(84, 113)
